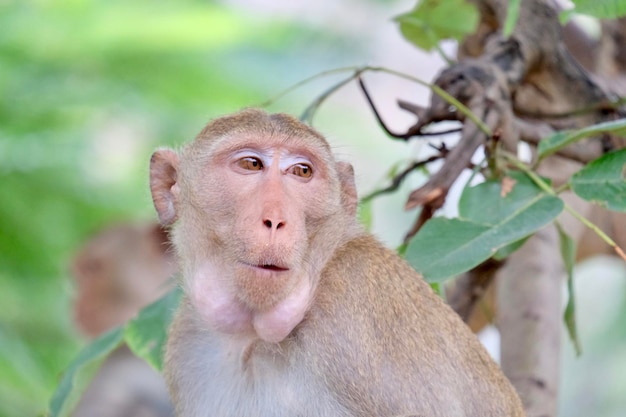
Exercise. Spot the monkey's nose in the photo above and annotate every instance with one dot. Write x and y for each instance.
(272, 224)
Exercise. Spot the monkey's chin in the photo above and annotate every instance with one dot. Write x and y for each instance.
(261, 287)
(275, 324)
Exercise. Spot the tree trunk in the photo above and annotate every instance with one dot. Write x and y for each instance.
(529, 290)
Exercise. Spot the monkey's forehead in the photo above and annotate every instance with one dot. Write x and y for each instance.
(255, 119)
(256, 122)
(298, 144)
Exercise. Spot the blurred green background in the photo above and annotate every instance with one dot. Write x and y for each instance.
(88, 89)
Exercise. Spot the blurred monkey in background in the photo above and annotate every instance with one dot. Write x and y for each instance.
(116, 273)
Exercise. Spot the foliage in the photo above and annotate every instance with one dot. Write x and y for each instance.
(490, 218)
(96, 350)
(561, 139)
(568, 253)
(432, 21)
(601, 9)
(603, 181)
(145, 335)
(512, 15)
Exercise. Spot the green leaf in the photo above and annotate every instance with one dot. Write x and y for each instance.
(484, 203)
(601, 9)
(447, 247)
(96, 350)
(512, 14)
(365, 215)
(568, 253)
(603, 181)
(434, 20)
(507, 250)
(146, 334)
(436, 286)
(561, 139)
(401, 249)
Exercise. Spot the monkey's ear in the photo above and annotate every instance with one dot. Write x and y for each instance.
(163, 173)
(349, 198)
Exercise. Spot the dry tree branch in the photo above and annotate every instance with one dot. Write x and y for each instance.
(397, 180)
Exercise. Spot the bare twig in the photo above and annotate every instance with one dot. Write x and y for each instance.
(428, 210)
(457, 160)
(403, 136)
(397, 180)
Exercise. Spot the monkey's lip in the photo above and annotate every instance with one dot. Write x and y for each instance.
(267, 267)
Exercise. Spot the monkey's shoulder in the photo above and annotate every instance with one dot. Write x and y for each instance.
(369, 294)
(374, 310)
(372, 285)
(365, 265)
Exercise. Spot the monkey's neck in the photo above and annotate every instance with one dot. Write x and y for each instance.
(235, 349)
(250, 352)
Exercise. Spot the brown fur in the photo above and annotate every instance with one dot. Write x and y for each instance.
(349, 329)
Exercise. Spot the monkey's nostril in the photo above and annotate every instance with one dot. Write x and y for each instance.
(268, 223)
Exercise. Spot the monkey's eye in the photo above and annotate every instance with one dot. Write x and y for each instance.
(250, 163)
(301, 170)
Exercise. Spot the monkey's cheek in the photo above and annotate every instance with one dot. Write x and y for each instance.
(276, 324)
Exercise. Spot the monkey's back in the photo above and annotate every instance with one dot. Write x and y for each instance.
(378, 334)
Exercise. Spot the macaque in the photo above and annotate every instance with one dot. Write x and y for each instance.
(290, 308)
(116, 273)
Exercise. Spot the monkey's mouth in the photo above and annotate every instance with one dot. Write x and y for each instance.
(267, 267)
(273, 268)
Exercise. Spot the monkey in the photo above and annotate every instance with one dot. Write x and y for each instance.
(117, 272)
(290, 308)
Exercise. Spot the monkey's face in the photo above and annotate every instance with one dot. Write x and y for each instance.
(263, 199)
(252, 208)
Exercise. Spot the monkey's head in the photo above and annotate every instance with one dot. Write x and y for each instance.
(258, 204)
(117, 272)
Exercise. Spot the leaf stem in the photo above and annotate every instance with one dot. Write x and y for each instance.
(533, 176)
(308, 80)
